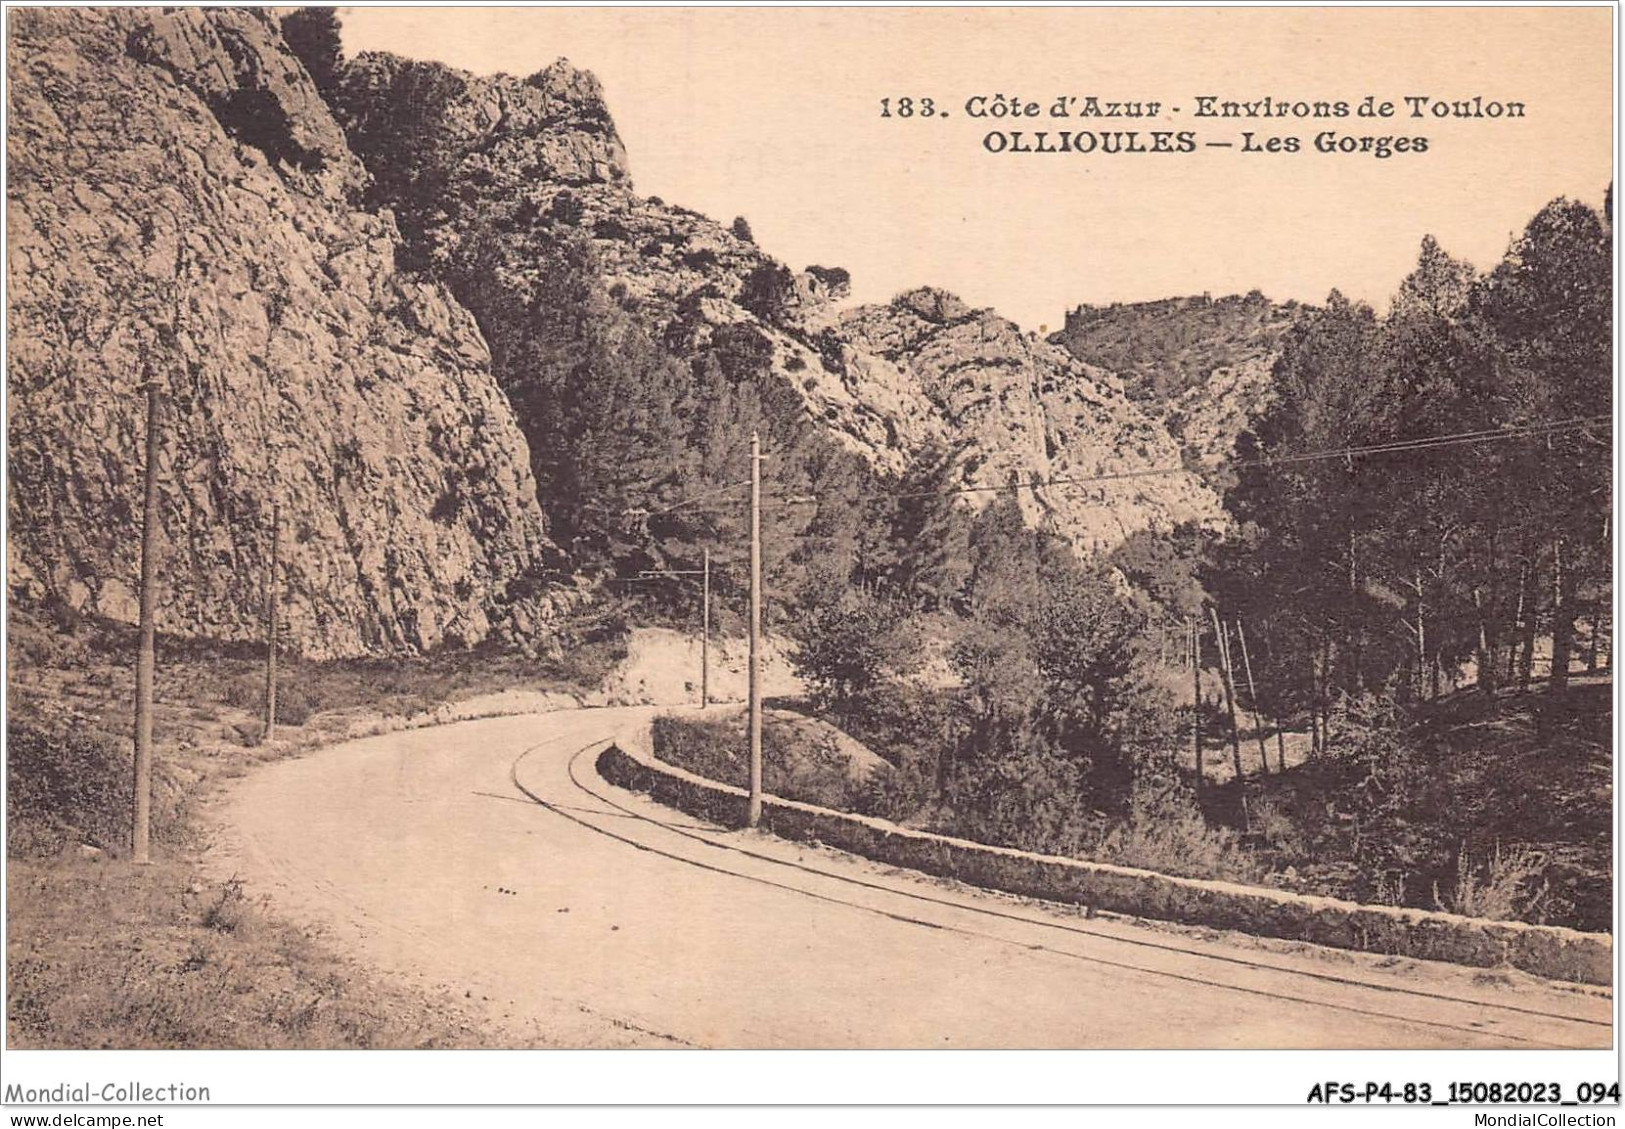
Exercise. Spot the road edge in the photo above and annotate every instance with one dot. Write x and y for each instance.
(1547, 951)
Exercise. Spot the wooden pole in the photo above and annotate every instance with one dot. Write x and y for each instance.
(1194, 630)
(705, 631)
(1227, 685)
(1252, 696)
(146, 662)
(753, 812)
(272, 584)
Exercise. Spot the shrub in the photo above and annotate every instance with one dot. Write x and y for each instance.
(566, 209)
(612, 229)
(837, 280)
(1505, 889)
(1165, 832)
(64, 785)
(313, 35)
(255, 117)
(898, 793)
(1025, 797)
(226, 912)
(768, 292)
(297, 701)
(797, 763)
(830, 351)
(847, 646)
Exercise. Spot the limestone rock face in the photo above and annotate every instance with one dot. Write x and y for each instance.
(184, 206)
(1200, 365)
(1023, 409)
(887, 382)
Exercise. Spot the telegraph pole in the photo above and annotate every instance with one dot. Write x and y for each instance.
(1195, 627)
(271, 586)
(753, 813)
(705, 630)
(145, 662)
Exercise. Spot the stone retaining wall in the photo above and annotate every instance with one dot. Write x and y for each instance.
(1546, 951)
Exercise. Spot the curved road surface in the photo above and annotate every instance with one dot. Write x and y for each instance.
(491, 858)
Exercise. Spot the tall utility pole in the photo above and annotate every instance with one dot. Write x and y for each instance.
(705, 630)
(145, 662)
(271, 585)
(1194, 626)
(753, 813)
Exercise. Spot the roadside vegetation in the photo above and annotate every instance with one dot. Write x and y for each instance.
(802, 759)
(1423, 697)
(103, 953)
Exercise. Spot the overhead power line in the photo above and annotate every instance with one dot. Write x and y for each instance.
(1428, 442)
(1396, 446)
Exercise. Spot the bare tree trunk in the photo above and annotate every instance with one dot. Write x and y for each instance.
(1252, 695)
(1593, 622)
(1528, 625)
(1518, 618)
(1328, 655)
(1486, 646)
(1357, 635)
(1562, 621)
(1488, 643)
(1315, 743)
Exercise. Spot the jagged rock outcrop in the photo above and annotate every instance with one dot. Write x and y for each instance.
(1022, 409)
(184, 204)
(1200, 365)
(490, 174)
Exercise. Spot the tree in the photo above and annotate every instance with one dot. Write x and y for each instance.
(1549, 306)
(1400, 565)
(846, 647)
(741, 230)
(313, 35)
(928, 537)
(768, 292)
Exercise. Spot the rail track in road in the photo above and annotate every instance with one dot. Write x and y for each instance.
(1046, 923)
(489, 856)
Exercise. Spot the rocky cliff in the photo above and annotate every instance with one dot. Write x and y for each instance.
(405, 306)
(1026, 410)
(1200, 365)
(490, 175)
(184, 206)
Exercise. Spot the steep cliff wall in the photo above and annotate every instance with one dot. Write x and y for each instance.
(490, 175)
(183, 204)
(1025, 410)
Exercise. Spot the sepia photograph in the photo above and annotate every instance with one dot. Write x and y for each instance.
(810, 529)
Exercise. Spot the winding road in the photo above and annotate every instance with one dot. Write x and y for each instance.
(490, 858)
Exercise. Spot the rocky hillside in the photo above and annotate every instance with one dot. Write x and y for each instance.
(516, 193)
(426, 315)
(1027, 410)
(183, 205)
(1200, 365)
